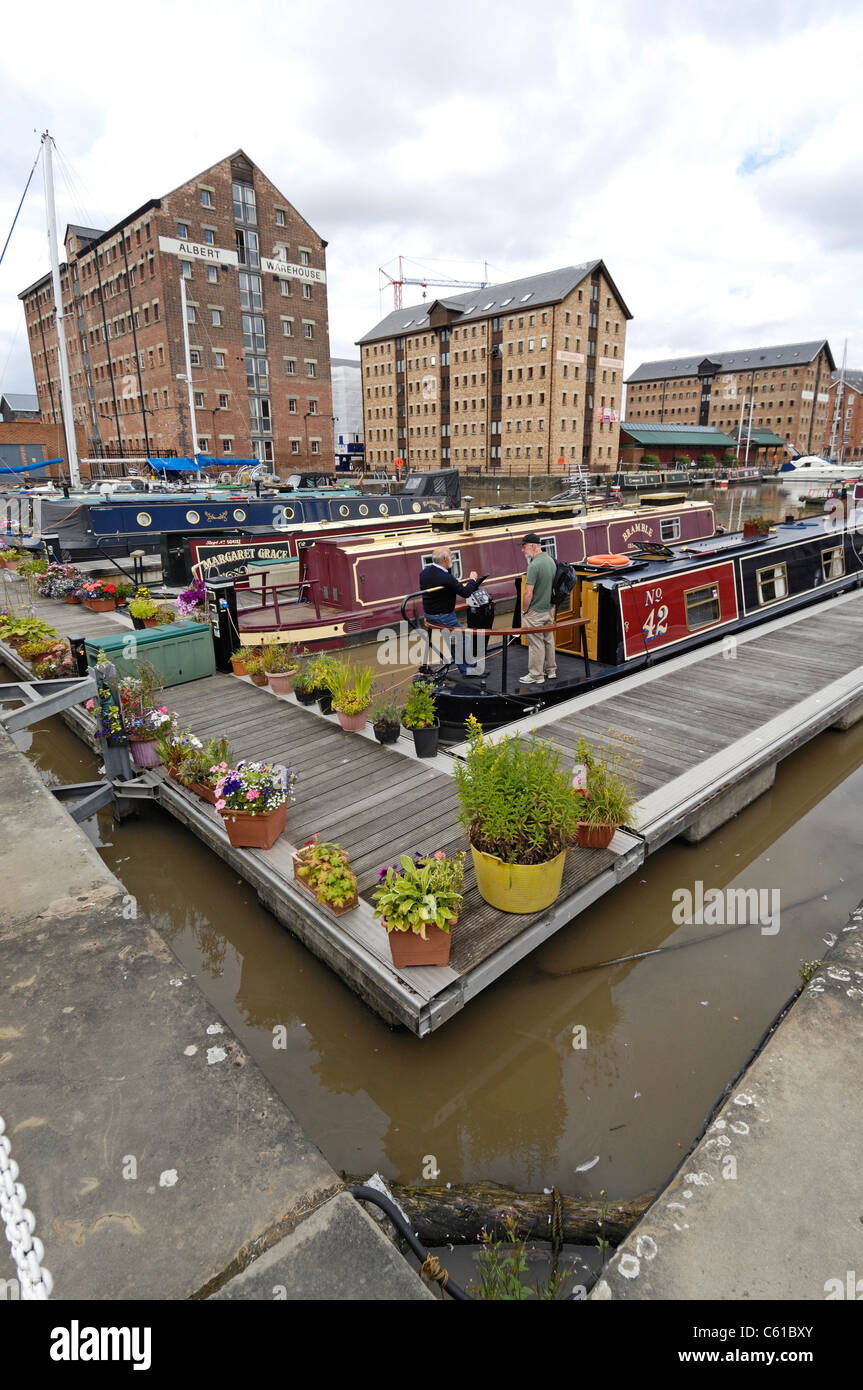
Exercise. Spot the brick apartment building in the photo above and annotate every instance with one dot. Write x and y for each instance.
(789, 385)
(848, 440)
(255, 279)
(510, 378)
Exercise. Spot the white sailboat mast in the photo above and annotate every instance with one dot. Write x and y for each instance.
(189, 383)
(65, 384)
(837, 409)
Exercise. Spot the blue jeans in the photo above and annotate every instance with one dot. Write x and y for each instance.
(450, 620)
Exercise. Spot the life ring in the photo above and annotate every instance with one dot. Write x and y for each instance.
(611, 562)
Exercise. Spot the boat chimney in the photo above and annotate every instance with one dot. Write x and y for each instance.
(467, 502)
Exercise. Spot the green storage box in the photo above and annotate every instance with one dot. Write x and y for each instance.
(180, 652)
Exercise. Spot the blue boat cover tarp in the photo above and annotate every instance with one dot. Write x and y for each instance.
(173, 465)
(28, 467)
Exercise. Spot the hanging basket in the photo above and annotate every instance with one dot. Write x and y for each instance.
(145, 752)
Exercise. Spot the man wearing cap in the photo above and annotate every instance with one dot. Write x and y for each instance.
(440, 591)
(536, 611)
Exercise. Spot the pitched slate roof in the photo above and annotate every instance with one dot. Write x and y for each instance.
(852, 379)
(84, 233)
(514, 295)
(20, 403)
(740, 360)
(652, 433)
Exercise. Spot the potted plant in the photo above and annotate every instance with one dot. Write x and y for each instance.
(238, 660)
(324, 870)
(322, 669)
(200, 767)
(252, 799)
(144, 721)
(18, 631)
(143, 608)
(191, 604)
(520, 814)
(304, 686)
(756, 526)
(418, 900)
(10, 555)
(386, 720)
(419, 716)
(173, 745)
(351, 690)
(255, 669)
(100, 595)
(280, 667)
(608, 796)
(34, 567)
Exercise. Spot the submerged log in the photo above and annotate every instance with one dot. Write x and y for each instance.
(458, 1215)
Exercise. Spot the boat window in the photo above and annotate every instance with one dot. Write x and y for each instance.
(669, 528)
(549, 545)
(703, 606)
(833, 562)
(772, 583)
(456, 562)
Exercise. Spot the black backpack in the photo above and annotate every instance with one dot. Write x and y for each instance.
(565, 580)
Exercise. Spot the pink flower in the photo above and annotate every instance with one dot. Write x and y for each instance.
(439, 854)
(91, 704)
(252, 795)
(220, 805)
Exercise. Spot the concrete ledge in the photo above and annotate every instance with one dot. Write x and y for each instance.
(335, 1254)
(721, 808)
(157, 1159)
(768, 1205)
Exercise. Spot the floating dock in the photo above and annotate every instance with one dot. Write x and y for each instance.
(710, 725)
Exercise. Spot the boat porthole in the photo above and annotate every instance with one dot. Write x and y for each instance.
(193, 518)
(344, 511)
(288, 513)
(239, 514)
(364, 511)
(144, 519)
(384, 509)
(416, 507)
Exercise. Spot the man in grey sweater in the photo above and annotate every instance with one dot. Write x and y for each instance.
(537, 611)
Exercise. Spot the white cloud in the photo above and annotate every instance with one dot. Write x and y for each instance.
(708, 150)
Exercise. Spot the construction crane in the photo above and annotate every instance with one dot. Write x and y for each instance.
(398, 281)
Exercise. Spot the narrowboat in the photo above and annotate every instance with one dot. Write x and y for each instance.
(662, 602)
(84, 526)
(747, 474)
(642, 480)
(349, 589)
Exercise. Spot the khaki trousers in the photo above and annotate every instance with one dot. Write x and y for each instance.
(541, 658)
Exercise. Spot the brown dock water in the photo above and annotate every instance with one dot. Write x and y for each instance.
(501, 1092)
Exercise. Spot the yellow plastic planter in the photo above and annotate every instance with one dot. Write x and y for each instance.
(520, 888)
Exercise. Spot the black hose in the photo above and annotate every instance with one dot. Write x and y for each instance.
(371, 1194)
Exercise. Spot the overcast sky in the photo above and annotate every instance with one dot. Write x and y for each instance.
(709, 151)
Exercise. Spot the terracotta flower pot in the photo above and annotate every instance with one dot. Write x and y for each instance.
(594, 836)
(255, 832)
(336, 911)
(204, 792)
(150, 622)
(280, 682)
(352, 723)
(100, 605)
(409, 949)
(145, 752)
(259, 678)
(72, 598)
(238, 666)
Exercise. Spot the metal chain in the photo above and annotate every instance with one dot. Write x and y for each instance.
(20, 1223)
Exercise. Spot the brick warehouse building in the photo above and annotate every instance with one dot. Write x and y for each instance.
(789, 384)
(848, 438)
(509, 378)
(255, 274)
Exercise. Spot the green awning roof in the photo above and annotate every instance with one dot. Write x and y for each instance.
(762, 437)
(687, 436)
